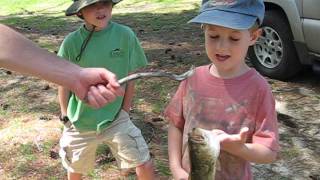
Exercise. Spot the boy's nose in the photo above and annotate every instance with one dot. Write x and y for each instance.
(222, 44)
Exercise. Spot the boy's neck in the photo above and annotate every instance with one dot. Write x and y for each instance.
(228, 75)
(90, 27)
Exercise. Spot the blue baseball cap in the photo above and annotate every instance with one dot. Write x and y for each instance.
(234, 14)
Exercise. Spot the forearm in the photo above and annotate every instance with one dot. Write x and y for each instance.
(64, 95)
(174, 146)
(20, 54)
(128, 96)
(255, 153)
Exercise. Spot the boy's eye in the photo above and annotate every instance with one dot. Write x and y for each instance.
(214, 37)
(234, 39)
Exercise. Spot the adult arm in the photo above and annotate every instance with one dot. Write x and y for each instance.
(20, 54)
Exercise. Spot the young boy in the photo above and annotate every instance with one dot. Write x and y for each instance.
(101, 43)
(226, 96)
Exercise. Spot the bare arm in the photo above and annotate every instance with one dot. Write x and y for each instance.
(63, 94)
(256, 153)
(20, 54)
(235, 144)
(175, 154)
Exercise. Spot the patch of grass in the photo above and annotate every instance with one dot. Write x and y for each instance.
(30, 7)
(157, 90)
(27, 151)
(32, 23)
(8, 7)
(22, 167)
(24, 157)
(163, 168)
(94, 174)
(3, 112)
(290, 153)
(15, 124)
(47, 146)
(102, 149)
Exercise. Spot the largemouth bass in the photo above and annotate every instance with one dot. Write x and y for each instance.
(204, 150)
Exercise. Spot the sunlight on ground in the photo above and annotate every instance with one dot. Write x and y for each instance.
(156, 8)
(11, 7)
(20, 130)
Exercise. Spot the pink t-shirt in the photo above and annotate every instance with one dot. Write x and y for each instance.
(227, 104)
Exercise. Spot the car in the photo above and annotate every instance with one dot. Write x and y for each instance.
(290, 38)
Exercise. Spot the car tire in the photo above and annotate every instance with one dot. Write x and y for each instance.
(274, 54)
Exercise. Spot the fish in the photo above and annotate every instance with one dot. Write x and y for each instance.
(204, 150)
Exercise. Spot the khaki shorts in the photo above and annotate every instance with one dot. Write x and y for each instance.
(78, 150)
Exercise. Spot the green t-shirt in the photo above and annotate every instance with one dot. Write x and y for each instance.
(115, 48)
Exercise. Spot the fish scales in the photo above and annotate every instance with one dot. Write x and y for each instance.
(204, 150)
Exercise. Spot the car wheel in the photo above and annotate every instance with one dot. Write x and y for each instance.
(274, 54)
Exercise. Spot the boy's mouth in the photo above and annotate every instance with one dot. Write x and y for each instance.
(101, 17)
(221, 57)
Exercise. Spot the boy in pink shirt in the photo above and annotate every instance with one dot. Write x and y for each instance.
(226, 96)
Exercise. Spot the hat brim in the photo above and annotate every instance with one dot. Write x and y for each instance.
(76, 6)
(225, 19)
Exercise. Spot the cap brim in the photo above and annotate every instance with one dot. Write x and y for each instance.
(76, 6)
(73, 9)
(225, 19)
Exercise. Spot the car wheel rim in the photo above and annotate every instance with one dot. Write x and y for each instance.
(269, 48)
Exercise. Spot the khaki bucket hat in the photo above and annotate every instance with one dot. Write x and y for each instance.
(77, 5)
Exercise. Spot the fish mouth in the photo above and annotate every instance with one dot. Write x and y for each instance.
(197, 138)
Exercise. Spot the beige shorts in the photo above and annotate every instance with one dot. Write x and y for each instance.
(78, 150)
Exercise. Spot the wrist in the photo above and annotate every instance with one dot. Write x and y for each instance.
(63, 118)
(175, 166)
(73, 81)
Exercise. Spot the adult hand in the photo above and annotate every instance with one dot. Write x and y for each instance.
(97, 86)
(231, 142)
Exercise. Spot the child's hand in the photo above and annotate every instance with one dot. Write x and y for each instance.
(179, 174)
(231, 142)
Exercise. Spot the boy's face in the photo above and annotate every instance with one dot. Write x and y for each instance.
(97, 14)
(227, 48)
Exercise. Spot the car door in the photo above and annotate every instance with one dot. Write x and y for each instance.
(311, 24)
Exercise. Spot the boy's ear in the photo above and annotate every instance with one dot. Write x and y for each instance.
(255, 34)
(79, 14)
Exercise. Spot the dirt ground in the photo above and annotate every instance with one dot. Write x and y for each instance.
(175, 49)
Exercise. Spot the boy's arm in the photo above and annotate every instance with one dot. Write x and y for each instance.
(175, 154)
(64, 94)
(128, 96)
(256, 153)
(235, 144)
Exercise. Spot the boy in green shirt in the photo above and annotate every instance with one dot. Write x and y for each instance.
(101, 43)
